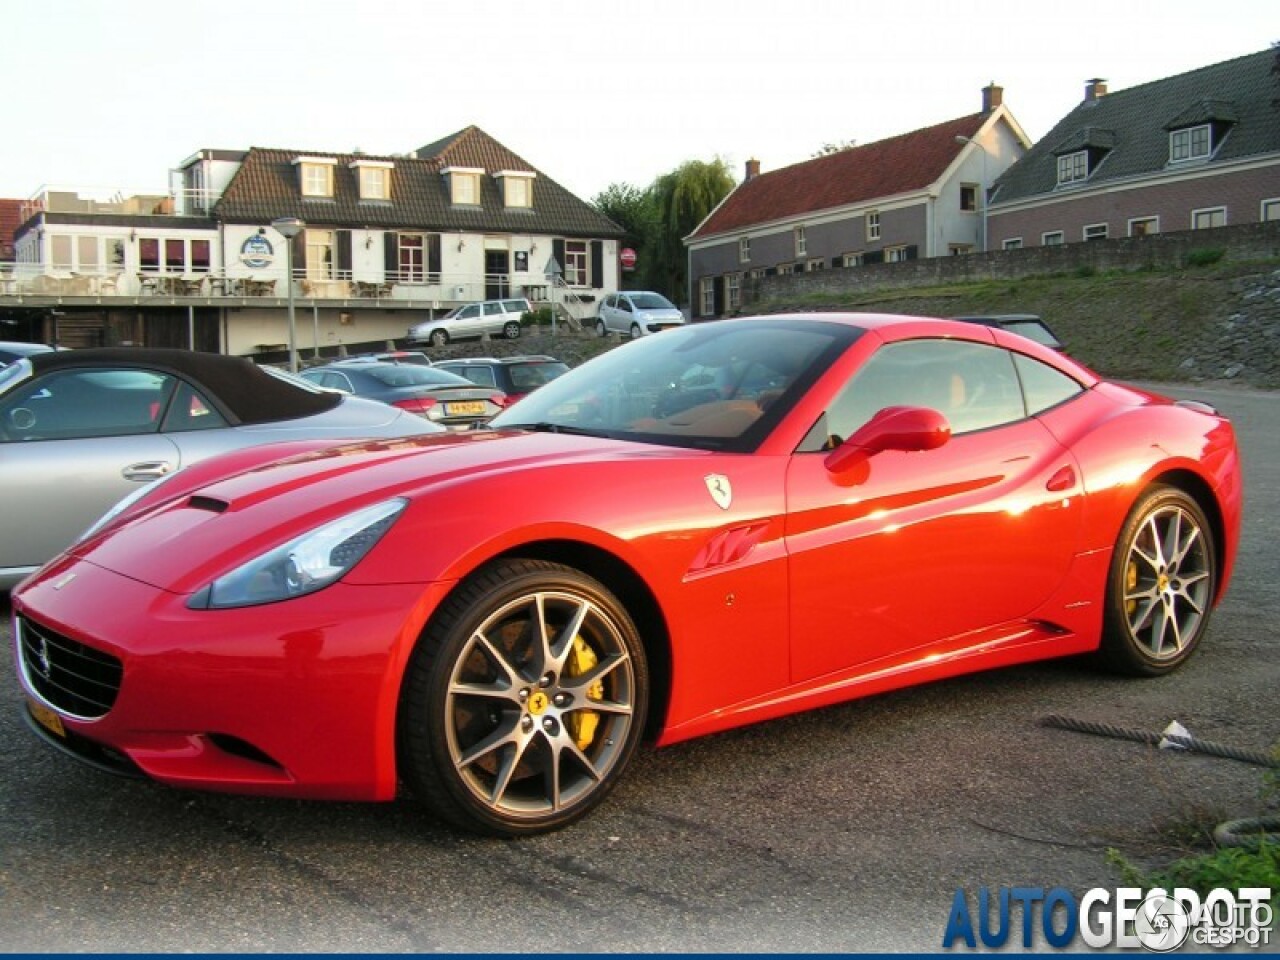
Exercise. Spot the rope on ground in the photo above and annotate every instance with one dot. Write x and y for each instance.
(1250, 832)
(1256, 757)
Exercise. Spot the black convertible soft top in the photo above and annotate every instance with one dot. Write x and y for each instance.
(244, 392)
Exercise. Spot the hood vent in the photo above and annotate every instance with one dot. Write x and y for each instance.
(208, 503)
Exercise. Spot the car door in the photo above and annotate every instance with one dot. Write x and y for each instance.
(72, 444)
(913, 548)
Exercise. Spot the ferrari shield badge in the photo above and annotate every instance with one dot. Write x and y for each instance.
(720, 489)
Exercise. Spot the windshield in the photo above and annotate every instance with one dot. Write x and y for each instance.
(651, 301)
(412, 375)
(720, 386)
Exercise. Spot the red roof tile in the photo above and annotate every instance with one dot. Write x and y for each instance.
(886, 168)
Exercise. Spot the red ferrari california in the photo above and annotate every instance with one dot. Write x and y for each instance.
(713, 526)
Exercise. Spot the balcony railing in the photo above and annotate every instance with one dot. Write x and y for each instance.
(96, 200)
(49, 284)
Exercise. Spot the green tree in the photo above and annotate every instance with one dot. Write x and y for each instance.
(682, 199)
(634, 211)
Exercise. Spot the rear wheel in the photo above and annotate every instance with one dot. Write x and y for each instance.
(524, 701)
(601, 329)
(439, 338)
(511, 330)
(635, 331)
(1161, 585)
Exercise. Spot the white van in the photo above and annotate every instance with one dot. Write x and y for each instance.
(473, 320)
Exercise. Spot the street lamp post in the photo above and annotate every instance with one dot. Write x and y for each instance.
(964, 139)
(290, 227)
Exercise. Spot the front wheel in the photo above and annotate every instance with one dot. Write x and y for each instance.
(601, 329)
(439, 338)
(524, 700)
(635, 331)
(1161, 585)
(511, 330)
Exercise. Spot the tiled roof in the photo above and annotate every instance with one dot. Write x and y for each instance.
(1241, 92)
(266, 187)
(886, 168)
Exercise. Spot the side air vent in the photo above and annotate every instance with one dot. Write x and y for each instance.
(208, 503)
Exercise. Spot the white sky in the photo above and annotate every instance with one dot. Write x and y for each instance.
(591, 92)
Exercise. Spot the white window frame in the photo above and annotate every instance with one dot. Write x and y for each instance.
(411, 257)
(315, 176)
(732, 292)
(758, 273)
(956, 250)
(1053, 238)
(1209, 211)
(969, 186)
(1011, 243)
(801, 242)
(744, 249)
(1073, 167)
(577, 263)
(1153, 220)
(1090, 231)
(1190, 143)
(464, 185)
(318, 265)
(896, 254)
(873, 225)
(786, 269)
(707, 296)
(1269, 210)
(517, 192)
(851, 259)
(374, 178)
(816, 263)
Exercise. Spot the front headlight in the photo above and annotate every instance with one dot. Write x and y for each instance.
(304, 565)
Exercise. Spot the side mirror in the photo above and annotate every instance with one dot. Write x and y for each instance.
(908, 429)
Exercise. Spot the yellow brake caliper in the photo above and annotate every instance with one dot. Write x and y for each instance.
(1130, 581)
(582, 723)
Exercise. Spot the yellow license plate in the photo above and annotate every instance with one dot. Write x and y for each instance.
(47, 718)
(468, 408)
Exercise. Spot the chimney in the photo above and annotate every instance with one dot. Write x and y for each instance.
(753, 169)
(992, 97)
(1095, 89)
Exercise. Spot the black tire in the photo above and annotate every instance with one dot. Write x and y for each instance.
(1161, 584)
(439, 338)
(635, 331)
(601, 329)
(501, 733)
(511, 330)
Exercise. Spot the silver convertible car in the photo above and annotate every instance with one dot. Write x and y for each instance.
(82, 429)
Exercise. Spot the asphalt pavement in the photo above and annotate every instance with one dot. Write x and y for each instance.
(845, 829)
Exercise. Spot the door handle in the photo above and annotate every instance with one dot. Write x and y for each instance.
(1063, 479)
(146, 470)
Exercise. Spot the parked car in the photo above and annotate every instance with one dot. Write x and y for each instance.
(1026, 324)
(80, 429)
(514, 376)
(389, 356)
(438, 395)
(11, 350)
(473, 320)
(868, 502)
(637, 313)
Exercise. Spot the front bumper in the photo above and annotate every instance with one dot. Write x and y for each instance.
(295, 699)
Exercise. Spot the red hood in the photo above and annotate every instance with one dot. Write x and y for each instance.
(227, 521)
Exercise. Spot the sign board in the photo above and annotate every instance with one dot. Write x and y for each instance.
(627, 257)
(256, 252)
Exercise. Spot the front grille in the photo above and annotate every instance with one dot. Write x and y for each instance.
(76, 679)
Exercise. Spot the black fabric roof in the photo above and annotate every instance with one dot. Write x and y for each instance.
(243, 392)
(1243, 92)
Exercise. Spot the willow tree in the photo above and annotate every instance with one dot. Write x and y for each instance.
(682, 199)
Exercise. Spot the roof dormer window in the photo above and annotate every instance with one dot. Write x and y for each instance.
(1193, 143)
(315, 175)
(1073, 167)
(517, 187)
(374, 177)
(464, 185)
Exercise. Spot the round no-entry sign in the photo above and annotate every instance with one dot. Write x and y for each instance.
(628, 258)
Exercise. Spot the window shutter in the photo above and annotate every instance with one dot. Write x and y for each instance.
(837, 261)
(771, 271)
(344, 254)
(597, 264)
(912, 252)
(390, 256)
(433, 257)
(557, 251)
(873, 256)
(717, 290)
(299, 254)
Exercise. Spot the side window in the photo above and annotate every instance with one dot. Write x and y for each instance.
(492, 309)
(482, 376)
(190, 411)
(624, 304)
(1042, 386)
(87, 403)
(470, 312)
(972, 384)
